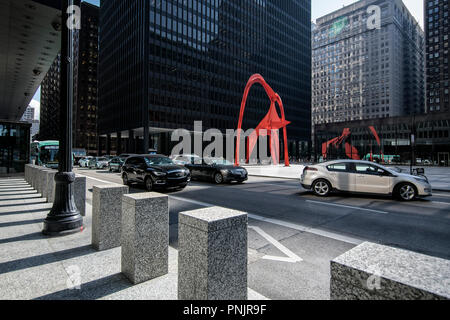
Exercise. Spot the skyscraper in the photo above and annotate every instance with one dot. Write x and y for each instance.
(166, 64)
(436, 34)
(368, 62)
(85, 86)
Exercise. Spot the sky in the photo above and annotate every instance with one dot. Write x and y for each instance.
(319, 9)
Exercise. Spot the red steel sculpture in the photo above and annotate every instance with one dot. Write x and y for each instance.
(268, 126)
(350, 150)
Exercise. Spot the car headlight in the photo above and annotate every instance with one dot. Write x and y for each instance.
(159, 174)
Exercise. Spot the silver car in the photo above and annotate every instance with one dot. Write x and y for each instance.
(363, 177)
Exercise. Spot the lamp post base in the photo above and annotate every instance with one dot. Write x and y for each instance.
(64, 217)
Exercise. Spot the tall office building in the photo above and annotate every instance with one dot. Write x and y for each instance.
(436, 34)
(28, 116)
(166, 64)
(365, 67)
(85, 87)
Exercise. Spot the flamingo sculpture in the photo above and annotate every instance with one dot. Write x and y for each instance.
(268, 126)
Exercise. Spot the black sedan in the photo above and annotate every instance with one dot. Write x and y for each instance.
(217, 170)
(155, 172)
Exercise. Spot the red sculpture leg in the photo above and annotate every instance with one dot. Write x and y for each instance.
(271, 122)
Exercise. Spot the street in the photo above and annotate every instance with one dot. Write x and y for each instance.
(293, 235)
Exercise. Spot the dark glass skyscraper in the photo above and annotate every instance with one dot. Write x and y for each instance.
(437, 33)
(85, 87)
(166, 64)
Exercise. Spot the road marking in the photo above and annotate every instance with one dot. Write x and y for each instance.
(344, 206)
(294, 226)
(441, 195)
(102, 181)
(293, 258)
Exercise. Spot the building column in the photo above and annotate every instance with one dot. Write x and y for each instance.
(130, 146)
(99, 146)
(108, 144)
(119, 143)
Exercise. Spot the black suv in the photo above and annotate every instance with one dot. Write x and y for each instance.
(155, 172)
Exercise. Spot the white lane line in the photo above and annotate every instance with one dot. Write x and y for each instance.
(293, 258)
(102, 181)
(441, 195)
(281, 223)
(344, 206)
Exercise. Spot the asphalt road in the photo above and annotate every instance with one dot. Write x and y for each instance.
(293, 234)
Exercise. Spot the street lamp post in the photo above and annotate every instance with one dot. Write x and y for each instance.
(64, 216)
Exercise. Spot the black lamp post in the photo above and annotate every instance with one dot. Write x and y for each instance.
(64, 216)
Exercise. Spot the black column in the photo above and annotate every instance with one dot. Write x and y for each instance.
(119, 143)
(130, 148)
(108, 144)
(64, 216)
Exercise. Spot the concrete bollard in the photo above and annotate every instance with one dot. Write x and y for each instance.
(107, 215)
(212, 254)
(33, 177)
(50, 187)
(376, 272)
(27, 173)
(145, 236)
(42, 181)
(79, 191)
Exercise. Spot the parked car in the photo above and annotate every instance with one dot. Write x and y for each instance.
(84, 162)
(115, 164)
(155, 172)
(98, 163)
(217, 170)
(363, 177)
(183, 159)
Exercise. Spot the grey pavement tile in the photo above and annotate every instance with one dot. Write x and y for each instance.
(33, 282)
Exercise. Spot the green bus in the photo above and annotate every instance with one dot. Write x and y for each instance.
(45, 153)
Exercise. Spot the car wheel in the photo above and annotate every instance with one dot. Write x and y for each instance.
(125, 179)
(218, 178)
(148, 184)
(406, 192)
(321, 188)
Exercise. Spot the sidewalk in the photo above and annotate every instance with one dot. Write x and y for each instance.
(439, 177)
(33, 266)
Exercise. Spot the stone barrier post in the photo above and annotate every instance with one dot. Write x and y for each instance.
(212, 254)
(145, 236)
(376, 272)
(80, 194)
(107, 215)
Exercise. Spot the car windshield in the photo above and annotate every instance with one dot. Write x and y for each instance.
(218, 161)
(160, 161)
(102, 159)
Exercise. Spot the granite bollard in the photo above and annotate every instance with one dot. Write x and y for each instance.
(145, 236)
(376, 272)
(212, 254)
(40, 180)
(107, 215)
(50, 188)
(27, 173)
(79, 191)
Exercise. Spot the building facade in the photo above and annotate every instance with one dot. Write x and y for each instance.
(436, 34)
(85, 87)
(423, 138)
(29, 117)
(50, 103)
(166, 64)
(14, 146)
(368, 62)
